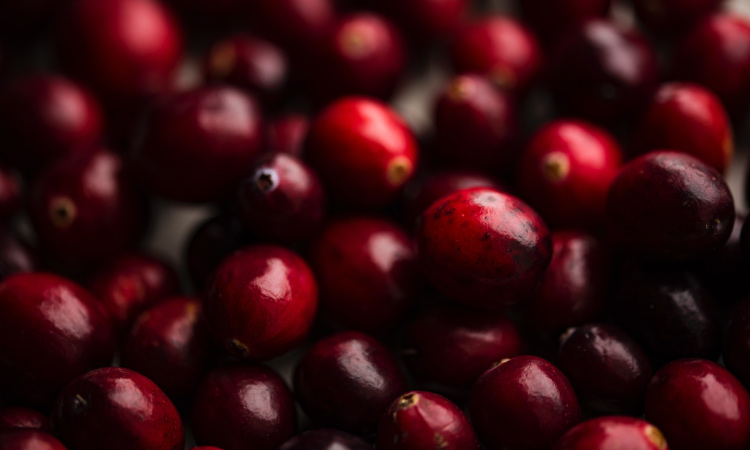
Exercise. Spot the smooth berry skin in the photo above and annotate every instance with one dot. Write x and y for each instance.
(282, 199)
(10, 193)
(287, 134)
(420, 420)
(19, 418)
(51, 313)
(261, 302)
(670, 17)
(326, 439)
(452, 346)
(45, 118)
(535, 400)
(566, 170)
(736, 347)
(348, 380)
(483, 248)
(551, 19)
(196, 145)
(119, 409)
(688, 118)
(698, 404)
(243, 407)
(358, 166)
(368, 273)
(29, 440)
(612, 432)
(15, 255)
(692, 215)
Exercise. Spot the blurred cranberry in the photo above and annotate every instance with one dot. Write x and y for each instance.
(10, 192)
(424, 21)
(15, 255)
(673, 16)
(736, 348)
(17, 418)
(211, 13)
(552, 18)
(287, 134)
(612, 432)
(326, 439)
(29, 440)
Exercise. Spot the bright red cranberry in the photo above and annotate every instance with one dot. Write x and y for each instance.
(300, 26)
(116, 408)
(673, 16)
(723, 270)
(29, 440)
(483, 248)
(10, 192)
(736, 348)
(243, 407)
(348, 380)
(15, 255)
(698, 404)
(15, 418)
(261, 302)
(325, 439)
(612, 432)
(425, 20)
(421, 420)
(363, 151)
(453, 346)
(168, 343)
(50, 313)
(196, 145)
(551, 19)
(535, 400)
(287, 134)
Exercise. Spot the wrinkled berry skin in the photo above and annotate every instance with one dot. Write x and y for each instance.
(698, 404)
(287, 134)
(550, 19)
(325, 439)
(535, 400)
(17, 418)
(692, 215)
(612, 432)
(483, 248)
(119, 409)
(15, 255)
(348, 380)
(673, 16)
(29, 440)
(736, 349)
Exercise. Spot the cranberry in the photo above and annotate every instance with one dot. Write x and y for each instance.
(243, 407)
(620, 432)
(533, 398)
(300, 26)
(50, 313)
(29, 440)
(698, 404)
(287, 134)
(424, 421)
(261, 302)
(673, 16)
(15, 255)
(362, 150)
(10, 192)
(348, 380)
(45, 118)
(723, 270)
(692, 215)
(282, 199)
(196, 145)
(211, 13)
(425, 20)
(566, 171)
(551, 19)
(736, 349)
(16, 418)
(116, 408)
(483, 248)
(452, 346)
(325, 439)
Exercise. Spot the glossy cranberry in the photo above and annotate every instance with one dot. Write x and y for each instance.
(425, 20)
(736, 349)
(300, 26)
(325, 439)
(612, 432)
(242, 407)
(483, 248)
(348, 380)
(10, 192)
(196, 145)
(29, 440)
(50, 313)
(15, 418)
(453, 346)
(15, 255)
(535, 400)
(723, 270)
(551, 19)
(44, 118)
(698, 404)
(356, 164)
(287, 134)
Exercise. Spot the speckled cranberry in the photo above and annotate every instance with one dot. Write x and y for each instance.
(348, 380)
(612, 432)
(300, 26)
(736, 348)
(17, 418)
(667, 17)
(29, 440)
(243, 407)
(10, 192)
(551, 19)
(326, 439)
(698, 404)
(287, 134)
(15, 255)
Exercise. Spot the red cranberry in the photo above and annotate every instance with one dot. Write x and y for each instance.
(453, 346)
(15, 255)
(196, 145)
(325, 439)
(243, 407)
(736, 349)
(698, 404)
(673, 16)
(29, 440)
(261, 302)
(612, 432)
(50, 313)
(10, 192)
(348, 380)
(533, 398)
(287, 134)
(424, 421)
(483, 248)
(16, 418)
(300, 26)
(552, 18)
(425, 20)
(362, 150)
(117, 409)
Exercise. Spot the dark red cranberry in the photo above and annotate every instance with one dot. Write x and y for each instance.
(453, 346)
(421, 420)
(534, 399)
(723, 271)
(612, 432)
(603, 72)
(551, 19)
(243, 406)
(282, 199)
(15, 255)
(348, 380)
(483, 248)
(29, 440)
(15, 418)
(196, 145)
(43, 314)
(287, 134)
(116, 408)
(300, 26)
(673, 16)
(358, 165)
(210, 13)
(10, 192)
(736, 349)
(698, 404)
(425, 20)
(566, 170)
(692, 215)
(261, 302)
(325, 439)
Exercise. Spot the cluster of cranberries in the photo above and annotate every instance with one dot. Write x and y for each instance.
(555, 263)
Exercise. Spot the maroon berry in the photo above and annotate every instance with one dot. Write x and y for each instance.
(300, 26)
(10, 192)
(673, 16)
(287, 134)
(212, 14)
(325, 439)
(551, 19)
(29, 440)
(612, 432)
(425, 20)
(15, 255)
(16, 418)
(736, 349)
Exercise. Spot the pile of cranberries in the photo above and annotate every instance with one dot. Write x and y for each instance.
(544, 255)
